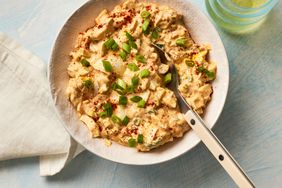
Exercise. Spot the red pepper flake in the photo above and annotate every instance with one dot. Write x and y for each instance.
(114, 106)
(96, 119)
(100, 26)
(155, 136)
(135, 131)
(150, 103)
(128, 18)
(148, 7)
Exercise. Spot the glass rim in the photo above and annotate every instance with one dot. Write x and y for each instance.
(250, 12)
(217, 14)
(265, 4)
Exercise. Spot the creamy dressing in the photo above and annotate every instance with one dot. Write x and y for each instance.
(117, 80)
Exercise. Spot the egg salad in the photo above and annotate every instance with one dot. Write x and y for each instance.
(117, 81)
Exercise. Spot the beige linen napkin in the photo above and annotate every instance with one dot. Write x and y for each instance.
(29, 125)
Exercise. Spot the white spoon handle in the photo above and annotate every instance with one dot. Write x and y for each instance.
(218, 150)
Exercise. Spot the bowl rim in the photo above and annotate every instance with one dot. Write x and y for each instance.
(50, 77)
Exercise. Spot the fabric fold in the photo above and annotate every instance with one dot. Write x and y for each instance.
(29, 125)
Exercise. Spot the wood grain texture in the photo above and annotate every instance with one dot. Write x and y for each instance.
(250, 125)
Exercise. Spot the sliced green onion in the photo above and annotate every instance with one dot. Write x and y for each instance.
(123, 55)
(114, 47)
(131, 142)
(85, 63)
(145, 14)
(122, 100)
(140, 58)
(103, 114)
(145, 26)
(137, 121)
(209, 74)
(141, 103)
(189, 62)
(109, 43)
(144, 73)
(126, 48)
(135, 81)
(107, 66)
(129, 37)
(121, 83)
(155, 34)
(118, 89)
(133, 67)
(121, 92)
(136, 98)
(181, 42)
(125, 120)
(147, 32)
(114, 86)
(201, 69)
(107, 106)
(108, 109)
(88, 84)
(130, 89)
(116, 119)
(132, 44)
(167, 78)
(140, 139)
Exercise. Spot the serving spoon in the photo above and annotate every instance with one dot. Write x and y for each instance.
(203, 132)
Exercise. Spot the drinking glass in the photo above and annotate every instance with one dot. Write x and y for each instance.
(239, 16)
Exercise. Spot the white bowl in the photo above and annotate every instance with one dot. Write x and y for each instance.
(201, 30)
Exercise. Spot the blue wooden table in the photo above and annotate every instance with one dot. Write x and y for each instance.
(250, 125)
